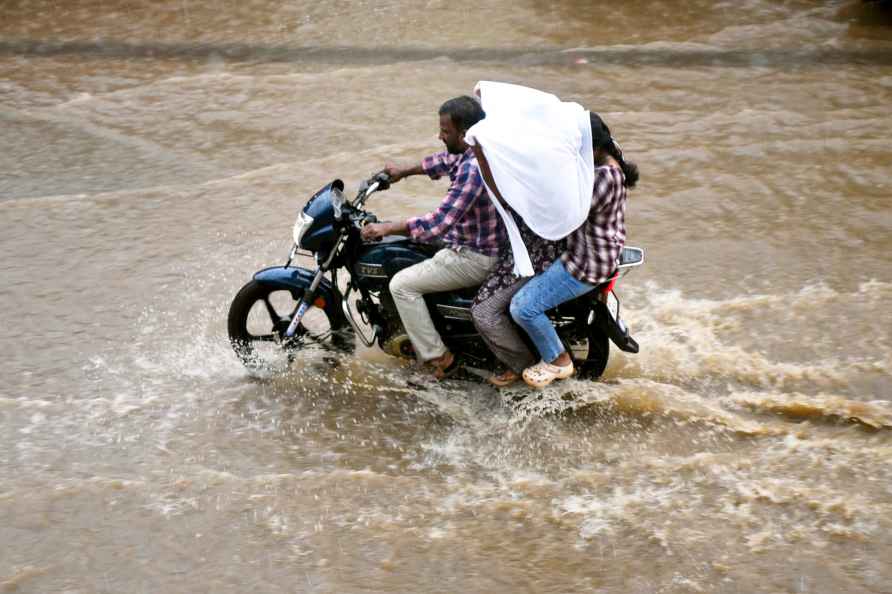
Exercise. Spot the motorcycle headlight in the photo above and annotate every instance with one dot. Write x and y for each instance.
(301, 225)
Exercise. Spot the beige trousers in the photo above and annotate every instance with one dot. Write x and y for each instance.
(447, 270)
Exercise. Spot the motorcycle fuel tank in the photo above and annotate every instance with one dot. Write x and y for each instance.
(378, 262)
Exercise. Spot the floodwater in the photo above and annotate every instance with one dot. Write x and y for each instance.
(153, 157)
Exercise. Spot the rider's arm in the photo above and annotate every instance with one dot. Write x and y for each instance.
(434, 166)
(398, 172)
(466, 188)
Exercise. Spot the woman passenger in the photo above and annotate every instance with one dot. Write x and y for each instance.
(590, 258)
(490, 308)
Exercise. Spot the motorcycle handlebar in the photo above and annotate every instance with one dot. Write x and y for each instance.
(378, 182)
(383, 180)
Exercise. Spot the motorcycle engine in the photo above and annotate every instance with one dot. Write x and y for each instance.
(399, 345)
(396, 341)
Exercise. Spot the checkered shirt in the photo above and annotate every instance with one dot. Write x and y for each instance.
(594, 248)
(466, 218)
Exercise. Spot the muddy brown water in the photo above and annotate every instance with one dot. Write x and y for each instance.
(154, 155)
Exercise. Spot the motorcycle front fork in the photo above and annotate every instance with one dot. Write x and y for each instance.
(310, 294)
(305, 302)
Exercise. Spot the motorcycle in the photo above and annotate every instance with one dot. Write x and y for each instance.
(285, 309)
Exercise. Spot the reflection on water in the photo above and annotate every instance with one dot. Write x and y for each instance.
(154, 157)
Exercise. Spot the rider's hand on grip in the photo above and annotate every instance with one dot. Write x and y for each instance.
(373, 231)
(394, 171)
(383, 178)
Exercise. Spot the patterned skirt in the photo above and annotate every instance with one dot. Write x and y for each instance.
(542, 253)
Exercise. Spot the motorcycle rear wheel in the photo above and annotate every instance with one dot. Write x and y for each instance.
(260, 315)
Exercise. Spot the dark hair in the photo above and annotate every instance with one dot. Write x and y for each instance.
(601, 139)
(464, 112)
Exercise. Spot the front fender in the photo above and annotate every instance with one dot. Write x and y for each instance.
(296, 281)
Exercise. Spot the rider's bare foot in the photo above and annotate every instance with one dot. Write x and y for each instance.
(444, 365)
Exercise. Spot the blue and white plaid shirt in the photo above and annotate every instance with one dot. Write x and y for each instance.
(466, 218)
(594, 248)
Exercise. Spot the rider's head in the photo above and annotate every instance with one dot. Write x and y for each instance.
(603, 145)
(456, 116)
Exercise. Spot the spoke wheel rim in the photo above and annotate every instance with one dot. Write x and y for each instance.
(265, 316)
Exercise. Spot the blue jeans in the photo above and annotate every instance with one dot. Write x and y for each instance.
(547, 290)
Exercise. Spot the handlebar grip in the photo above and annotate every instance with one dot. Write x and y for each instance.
(383, 180)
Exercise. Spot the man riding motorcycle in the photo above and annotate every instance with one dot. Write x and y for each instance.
(466, 221)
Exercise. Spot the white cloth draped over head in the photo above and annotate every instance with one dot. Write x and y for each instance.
(539, 150)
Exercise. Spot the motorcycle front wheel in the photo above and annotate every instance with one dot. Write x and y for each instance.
(260, 315)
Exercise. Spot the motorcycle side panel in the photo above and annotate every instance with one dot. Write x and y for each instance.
(451, 313)
(296, 281)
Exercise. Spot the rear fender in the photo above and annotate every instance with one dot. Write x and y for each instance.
(617, 333)
(296, 281)
(583, 307)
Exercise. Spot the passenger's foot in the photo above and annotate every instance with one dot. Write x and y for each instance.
(541, 374)
(445, 366)
(504, 379)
